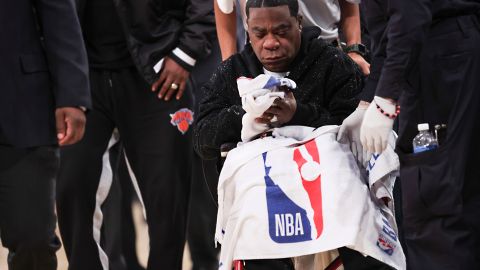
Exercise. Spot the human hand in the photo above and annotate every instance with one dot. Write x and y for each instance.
(173, 78)
(360, 61)
(70, 123)
(376, 126)
(280, 112)
(350, 132)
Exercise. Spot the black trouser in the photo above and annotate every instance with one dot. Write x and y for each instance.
(203, 210)
(202, 217)
(27, 207)
(159, 155)
(113, 226)
(128, 227)
(441, 188)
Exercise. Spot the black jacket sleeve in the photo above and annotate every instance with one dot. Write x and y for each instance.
(220, 117)
(341, 83)
(65, 52)
(407, 24)
(181, 29)
(376, 23)
(198, 31)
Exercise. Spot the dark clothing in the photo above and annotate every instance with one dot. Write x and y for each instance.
(399, 30)
(105, 41)
(327, 82)
(354, 260)
(154, 132)
(432, 68)
(43, 66)
(203, 207)
(202, 216)
(279, 264)
(113, 226)
(376, 19)
(27, 208)
(154, 28)
(159, 157)
(441, 191)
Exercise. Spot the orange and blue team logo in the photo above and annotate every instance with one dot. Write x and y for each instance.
(289, 222)
(182, 119)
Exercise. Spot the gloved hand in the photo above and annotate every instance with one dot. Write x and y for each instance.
(376, 126)
(350, 132)
(256, 106)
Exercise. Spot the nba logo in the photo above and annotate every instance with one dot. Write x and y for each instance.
(288, 221)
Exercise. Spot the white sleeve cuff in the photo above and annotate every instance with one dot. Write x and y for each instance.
(184, 57)
(158, 66)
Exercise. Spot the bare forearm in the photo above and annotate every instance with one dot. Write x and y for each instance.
(226, 25)
(350, 22)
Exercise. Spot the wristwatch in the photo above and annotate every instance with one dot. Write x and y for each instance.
(356, 48)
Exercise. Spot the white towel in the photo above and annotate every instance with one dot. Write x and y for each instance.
(282, 197)
(258, 95)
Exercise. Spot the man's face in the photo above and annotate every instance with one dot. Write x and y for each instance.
(275, 36)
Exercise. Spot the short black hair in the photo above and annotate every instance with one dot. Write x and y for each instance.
(292, 5)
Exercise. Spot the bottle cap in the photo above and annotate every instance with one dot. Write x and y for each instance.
(422, 127)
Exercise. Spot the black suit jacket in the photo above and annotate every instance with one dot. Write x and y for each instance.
(154, 28)
(43, 66)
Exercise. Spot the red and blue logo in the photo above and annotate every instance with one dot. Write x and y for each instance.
(289, 222)
(387, 238)
(182, 119)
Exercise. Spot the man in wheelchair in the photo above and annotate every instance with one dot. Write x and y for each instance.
(326, 83)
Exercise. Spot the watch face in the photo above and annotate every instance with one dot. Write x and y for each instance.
(362, 48)
(358, 48)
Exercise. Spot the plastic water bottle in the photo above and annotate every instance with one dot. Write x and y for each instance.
(424, 141)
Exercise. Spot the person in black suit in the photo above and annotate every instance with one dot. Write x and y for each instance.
(44, 92)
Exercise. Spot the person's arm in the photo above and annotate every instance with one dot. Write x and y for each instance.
(408, 21)
(226, 25)
(219, 120)
(65, 52)
(67, 63)
(195, 41)
(350, 23)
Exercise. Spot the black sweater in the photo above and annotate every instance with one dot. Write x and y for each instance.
(327, 83)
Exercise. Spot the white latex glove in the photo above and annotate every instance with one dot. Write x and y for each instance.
(257, 106)
(250, 128)
(350, 133)
(376, 127)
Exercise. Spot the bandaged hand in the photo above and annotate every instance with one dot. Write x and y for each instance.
(281, 111)
(376, 126)
(350, 133)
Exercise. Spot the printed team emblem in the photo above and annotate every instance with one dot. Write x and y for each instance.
(182, 119)
(387, 238)
(288, 221)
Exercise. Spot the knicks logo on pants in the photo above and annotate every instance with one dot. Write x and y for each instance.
(288, 221)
